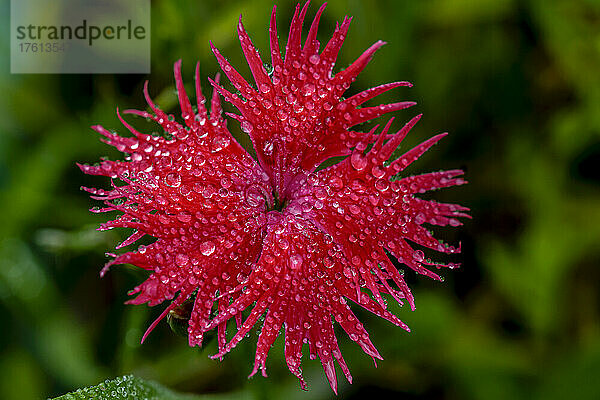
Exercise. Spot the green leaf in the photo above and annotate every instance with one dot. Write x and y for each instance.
(130, 387)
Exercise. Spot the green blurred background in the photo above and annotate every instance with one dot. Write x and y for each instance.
(517, 85)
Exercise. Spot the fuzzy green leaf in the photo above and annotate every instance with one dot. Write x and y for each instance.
(128, 387)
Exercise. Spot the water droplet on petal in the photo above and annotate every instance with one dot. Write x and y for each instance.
(382, 185)
(296, 261)
(308, 89)
(454, 222)
(181, 259)
(358, 161)
(378, 172)
(241, 278)
(264, 88)
(207, 248)
(282, 115)
(247, 127)
(337, 182)
(219, 143)
(354, 209)
(268, 148)
(173, 179)
(184, 217)
(418, 256)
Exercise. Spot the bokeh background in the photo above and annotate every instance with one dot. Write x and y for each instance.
(517, 85)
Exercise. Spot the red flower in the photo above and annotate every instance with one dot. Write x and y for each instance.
(277, 237)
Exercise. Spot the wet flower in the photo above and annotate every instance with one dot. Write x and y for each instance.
(277, 239)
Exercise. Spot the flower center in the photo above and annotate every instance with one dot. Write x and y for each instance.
(278, 204)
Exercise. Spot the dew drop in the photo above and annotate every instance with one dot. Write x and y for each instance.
(181, 259)
(146, 166)
(207, 248)
(219, 143)
(173, 179)
(454, 222)
(226, 182)
(378, 172)
(308, 89)
(264, 88)
(282, 115)
(184, 217)
(241, 278)
(320, 193)
(268, 148)
(354, 209)
(418, 256)
(247, 127)
(382, 185)
(296, 261)
(336, 182)
(199, 160)
(358, 161)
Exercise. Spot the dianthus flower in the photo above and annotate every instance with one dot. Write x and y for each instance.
(275, 238)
